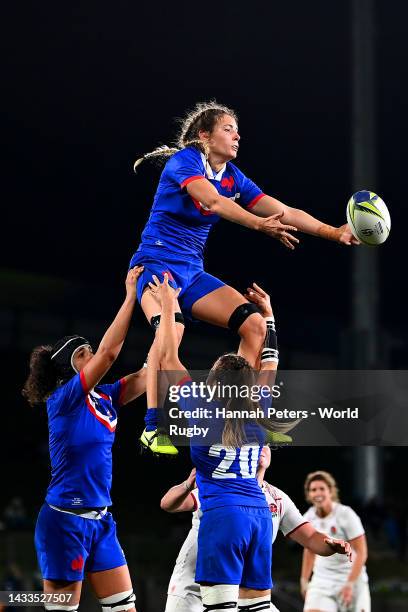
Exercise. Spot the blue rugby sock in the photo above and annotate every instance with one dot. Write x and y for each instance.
(151, 419)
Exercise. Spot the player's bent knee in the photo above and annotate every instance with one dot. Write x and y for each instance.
(254, 328)
(155, 320)
(118, 602)
(241, 314)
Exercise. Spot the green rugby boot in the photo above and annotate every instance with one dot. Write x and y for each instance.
(158, 441)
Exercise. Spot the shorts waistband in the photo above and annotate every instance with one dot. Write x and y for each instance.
(91, 513)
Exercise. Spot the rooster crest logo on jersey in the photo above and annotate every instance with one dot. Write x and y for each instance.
(274, 509)
(228, 182)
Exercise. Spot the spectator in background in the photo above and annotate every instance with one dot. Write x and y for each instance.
(334, 585)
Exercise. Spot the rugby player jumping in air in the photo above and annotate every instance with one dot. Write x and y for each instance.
(75, 533)
(198, 186)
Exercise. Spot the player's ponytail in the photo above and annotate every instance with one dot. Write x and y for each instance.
(42, 379)
(160, 152)
(202, 118)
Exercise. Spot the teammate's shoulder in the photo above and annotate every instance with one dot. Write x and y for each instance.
(186, 153)
(64, 388)
(345, 511)
(274, 491)
(66, 396)
(233, 169)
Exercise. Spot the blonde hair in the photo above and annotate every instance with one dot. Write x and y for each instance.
(230, 369)
(325, 477)
(203, 117)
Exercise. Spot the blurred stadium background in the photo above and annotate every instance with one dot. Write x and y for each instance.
(322, 104)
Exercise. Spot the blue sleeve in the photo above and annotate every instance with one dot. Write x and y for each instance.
(115, 391)
(185, 166)
(67, 397)
(250, 192)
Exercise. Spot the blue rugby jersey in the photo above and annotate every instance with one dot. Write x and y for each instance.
(180, 223)
(226, 476)
(81, 433)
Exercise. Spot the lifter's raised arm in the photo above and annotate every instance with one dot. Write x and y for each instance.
(166, 335)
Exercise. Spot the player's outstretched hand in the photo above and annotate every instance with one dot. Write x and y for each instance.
(345, 235)
(258, 296)
(163, 291)
(339, 546)
(131, 280)
(274, 228)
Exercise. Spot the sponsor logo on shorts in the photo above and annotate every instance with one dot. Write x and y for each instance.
(77, 564)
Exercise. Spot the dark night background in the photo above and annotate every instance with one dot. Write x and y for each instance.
(90, 86)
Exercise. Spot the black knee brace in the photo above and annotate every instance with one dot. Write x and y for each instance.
(155, 321)
(240, 314)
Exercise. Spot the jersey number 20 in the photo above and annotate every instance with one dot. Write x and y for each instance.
(248, 460)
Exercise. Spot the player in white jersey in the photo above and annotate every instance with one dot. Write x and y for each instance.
(335, 585)
(183, 593)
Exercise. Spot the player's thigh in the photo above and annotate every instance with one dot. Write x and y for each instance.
(188, 603)
(245, 593)
(109, 582)
(319, 600)
(217, 307)
(71, 591)
(63, 543)
(222, 537)
(362, 601)
(151, 305)
(256, 575)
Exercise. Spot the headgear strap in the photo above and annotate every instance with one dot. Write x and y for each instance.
(63, 352)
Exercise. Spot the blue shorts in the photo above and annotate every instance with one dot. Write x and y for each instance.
(68, 545)
(235, 547)
(195, 283)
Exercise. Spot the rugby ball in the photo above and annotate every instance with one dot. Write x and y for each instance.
(368, 218)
